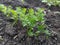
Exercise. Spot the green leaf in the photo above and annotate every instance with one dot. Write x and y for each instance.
(47, 32)
(30, 33)
(31, 11)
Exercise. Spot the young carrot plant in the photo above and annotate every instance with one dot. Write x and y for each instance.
(29, 18)
(9, 12)
(33, 19)
(52, 2)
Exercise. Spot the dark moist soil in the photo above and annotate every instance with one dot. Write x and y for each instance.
(16, 35)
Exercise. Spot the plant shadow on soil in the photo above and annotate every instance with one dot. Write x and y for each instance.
(16, 35)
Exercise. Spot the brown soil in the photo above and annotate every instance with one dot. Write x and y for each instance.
(16, 35)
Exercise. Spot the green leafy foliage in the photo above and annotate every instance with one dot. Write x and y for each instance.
(52, 2)
(29, 18)
(9, 12)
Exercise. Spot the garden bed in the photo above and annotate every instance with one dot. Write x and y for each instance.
(16, 35)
